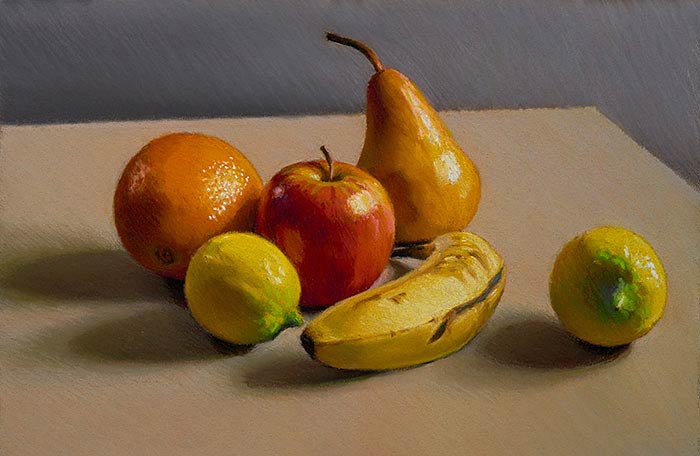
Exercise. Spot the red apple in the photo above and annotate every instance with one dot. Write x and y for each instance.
(334, 221)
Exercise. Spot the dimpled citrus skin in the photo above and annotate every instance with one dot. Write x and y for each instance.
(608, 286)
(242, 289)
(178, 191)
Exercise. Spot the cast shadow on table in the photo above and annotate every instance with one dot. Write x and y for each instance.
(543, 344)
(153, 336)
(82, 276)
(290, 369)
(176, 289)
(99, 275)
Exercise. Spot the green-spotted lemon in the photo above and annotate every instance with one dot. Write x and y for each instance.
(608, 286)
(242, 289)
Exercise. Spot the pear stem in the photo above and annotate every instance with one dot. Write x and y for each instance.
(360, 46)
(329, 160)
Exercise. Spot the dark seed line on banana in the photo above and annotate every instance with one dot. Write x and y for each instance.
(467, 305)
(460, 308)
(487, 291)
(444, 303)
(398, 298)
(442, 328)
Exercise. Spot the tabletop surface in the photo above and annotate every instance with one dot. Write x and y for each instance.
(99, 356)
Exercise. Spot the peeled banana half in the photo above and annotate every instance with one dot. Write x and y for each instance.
(428, 313)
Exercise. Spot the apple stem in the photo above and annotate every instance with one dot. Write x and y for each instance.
(360, 46)
(329, 160)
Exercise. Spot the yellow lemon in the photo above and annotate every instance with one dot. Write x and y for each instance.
(242, 289)
(608, 286)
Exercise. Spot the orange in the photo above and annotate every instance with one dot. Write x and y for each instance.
(177, 192)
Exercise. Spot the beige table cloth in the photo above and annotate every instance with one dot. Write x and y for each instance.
(99, 357)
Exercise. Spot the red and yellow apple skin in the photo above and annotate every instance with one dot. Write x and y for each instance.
(335, 223)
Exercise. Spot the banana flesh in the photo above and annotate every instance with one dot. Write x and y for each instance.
(428, 313)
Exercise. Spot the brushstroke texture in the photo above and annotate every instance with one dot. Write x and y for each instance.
(639, 62)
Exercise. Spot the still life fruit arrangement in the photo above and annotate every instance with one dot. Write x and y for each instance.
(319, 234)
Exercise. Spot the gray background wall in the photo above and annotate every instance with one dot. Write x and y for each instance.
(638, 61)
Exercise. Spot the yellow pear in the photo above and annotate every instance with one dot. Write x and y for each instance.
(434, 187)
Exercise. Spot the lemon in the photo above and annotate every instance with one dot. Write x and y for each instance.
(608, 286)
(242, 289)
